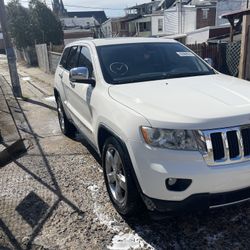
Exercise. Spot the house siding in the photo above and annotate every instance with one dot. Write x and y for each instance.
(171, 21)
(155, 26)
(189, 19)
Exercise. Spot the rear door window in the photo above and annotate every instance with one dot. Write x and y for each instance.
(64, 57)
(72, 58)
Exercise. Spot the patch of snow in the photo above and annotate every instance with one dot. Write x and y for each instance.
(50, 99)
(93, 188)
(98, 210)
(26, 78)
(120, 241)
(128, 241)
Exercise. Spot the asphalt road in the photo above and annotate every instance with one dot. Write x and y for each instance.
(54, 196)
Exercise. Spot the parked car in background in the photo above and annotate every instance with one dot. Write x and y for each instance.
(173, 134)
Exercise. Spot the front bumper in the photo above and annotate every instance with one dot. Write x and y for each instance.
(153, 166)
(203, 201)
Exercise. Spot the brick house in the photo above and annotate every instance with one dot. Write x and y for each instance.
(187, 17)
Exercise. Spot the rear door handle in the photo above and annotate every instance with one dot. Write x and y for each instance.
(61, 75)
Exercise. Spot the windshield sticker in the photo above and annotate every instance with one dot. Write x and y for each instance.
(185, 53)
(119, 68)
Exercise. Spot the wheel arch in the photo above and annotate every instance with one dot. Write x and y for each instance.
(103, 134)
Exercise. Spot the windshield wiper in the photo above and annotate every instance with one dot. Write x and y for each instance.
(141, 78)
(157, 76)
(188, 74)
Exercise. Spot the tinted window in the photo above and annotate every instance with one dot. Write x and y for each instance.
(72, 58)
(139, 62)
(64, 57)
(85, 60)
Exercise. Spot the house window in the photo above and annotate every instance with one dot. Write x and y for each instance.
(205, 13)
(160, 25)
(146, 26)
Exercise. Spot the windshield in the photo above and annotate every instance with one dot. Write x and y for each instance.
(127, 63)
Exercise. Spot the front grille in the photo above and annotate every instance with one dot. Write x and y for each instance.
(225, 146)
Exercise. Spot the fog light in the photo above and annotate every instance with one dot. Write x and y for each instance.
(171, 181)
(177, 185)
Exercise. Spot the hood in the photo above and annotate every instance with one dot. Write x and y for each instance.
(201, 102)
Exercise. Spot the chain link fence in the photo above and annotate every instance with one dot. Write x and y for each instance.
(233, 57)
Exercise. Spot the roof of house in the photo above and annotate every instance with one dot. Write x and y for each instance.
(236, 14)
(156, 3)
(100, 16)
(75, 22)
(126, 18)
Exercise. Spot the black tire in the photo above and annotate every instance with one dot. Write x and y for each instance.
(66, 126)
(131, 203)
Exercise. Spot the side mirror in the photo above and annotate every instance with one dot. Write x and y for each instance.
(80, 75)
(209, 61)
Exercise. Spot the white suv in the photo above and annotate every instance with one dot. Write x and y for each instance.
(171, 131)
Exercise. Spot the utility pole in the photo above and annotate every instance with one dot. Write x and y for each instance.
(180, 17)
(10, 53)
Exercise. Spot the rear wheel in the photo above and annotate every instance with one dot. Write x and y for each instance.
(66, 126)
(118, 178)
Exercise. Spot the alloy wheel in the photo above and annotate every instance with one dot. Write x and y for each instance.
(115, 175)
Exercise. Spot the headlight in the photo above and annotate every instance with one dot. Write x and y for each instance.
(169, 138)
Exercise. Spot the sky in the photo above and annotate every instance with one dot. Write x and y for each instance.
(111, 7)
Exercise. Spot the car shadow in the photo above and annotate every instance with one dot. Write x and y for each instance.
(84, 141)
(222, 228)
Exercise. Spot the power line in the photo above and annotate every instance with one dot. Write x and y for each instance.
(80, 6)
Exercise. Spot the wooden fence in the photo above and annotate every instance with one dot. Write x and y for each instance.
(225, 56)
(53, 60)
(42, 56)
(213, 51)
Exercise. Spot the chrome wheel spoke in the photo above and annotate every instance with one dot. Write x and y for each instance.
(118, 192)
(109, 159)
(122, 181)
(111, 177)
(116, 161)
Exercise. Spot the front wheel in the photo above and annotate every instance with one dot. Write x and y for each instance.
(118, 178)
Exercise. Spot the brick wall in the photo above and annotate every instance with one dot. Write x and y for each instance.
(206, 16)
